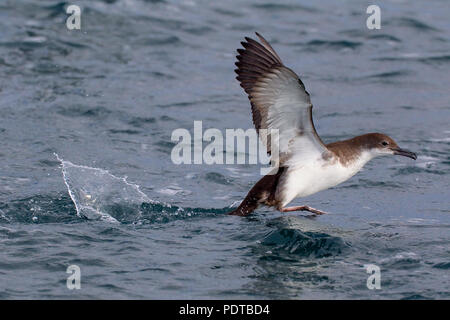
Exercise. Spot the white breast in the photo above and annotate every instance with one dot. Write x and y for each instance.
(308, 178)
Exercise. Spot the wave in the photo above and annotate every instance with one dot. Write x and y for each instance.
(284, 7)
(432, 60)
(60, 208)
(305, 243)
(411, 23)
(329, 44)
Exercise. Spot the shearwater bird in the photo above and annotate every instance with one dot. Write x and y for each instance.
(306, 164)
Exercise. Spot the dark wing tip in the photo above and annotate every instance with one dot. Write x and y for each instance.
(260, 37)
(268, 46)
(254, 61)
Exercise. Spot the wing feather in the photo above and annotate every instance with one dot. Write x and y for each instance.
(279, 101)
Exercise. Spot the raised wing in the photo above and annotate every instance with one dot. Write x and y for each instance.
(279, 101)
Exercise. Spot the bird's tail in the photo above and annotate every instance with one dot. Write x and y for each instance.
(263, 192)
(247, 206)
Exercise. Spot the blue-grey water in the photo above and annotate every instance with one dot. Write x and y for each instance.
(92, 111)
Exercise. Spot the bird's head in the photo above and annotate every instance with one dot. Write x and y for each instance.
(380, 144)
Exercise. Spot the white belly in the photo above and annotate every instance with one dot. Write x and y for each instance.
(309, 178)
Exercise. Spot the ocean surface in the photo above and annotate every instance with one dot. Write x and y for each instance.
(86, 176)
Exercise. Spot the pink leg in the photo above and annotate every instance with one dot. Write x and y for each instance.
(302, 208)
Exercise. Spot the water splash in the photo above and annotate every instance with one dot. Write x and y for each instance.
(99, 195)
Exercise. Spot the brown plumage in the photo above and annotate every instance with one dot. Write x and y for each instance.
(348, 150)
(263, 192)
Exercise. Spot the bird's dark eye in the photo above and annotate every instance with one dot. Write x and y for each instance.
(384, 143)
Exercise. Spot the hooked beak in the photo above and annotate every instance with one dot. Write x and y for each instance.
(405, 153)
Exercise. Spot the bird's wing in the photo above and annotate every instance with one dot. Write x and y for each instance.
(279, 101)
